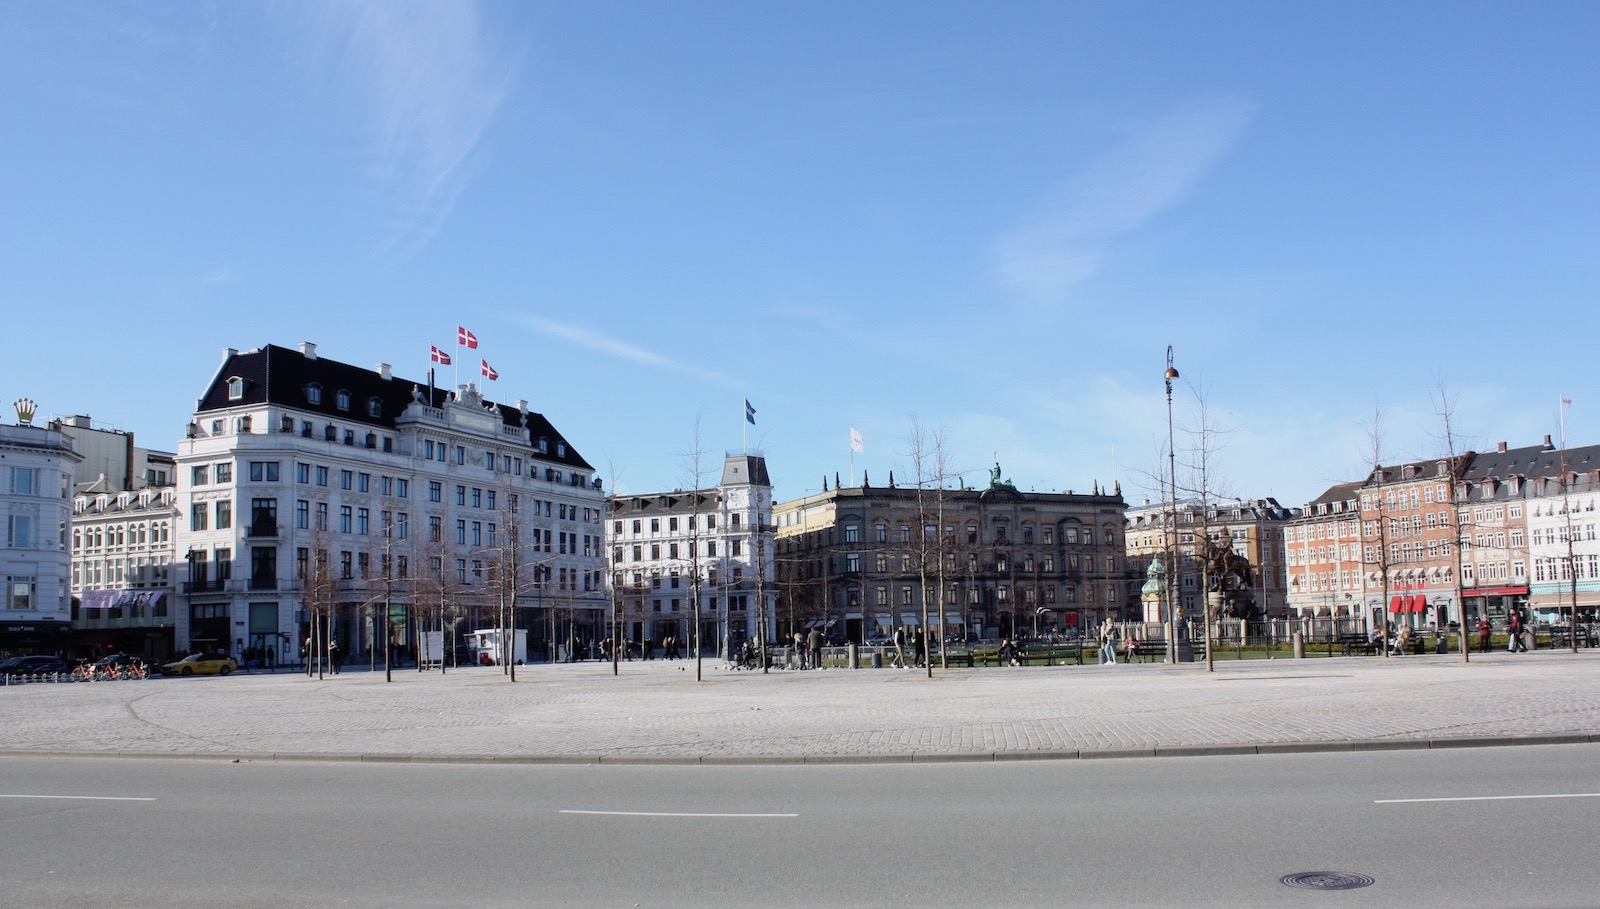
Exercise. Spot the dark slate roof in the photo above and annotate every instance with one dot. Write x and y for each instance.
(665, 503)
(277, 375)
(1532, 461)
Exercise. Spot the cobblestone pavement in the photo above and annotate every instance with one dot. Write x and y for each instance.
(656, 711)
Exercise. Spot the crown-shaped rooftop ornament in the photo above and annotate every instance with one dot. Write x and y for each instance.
(25, 411)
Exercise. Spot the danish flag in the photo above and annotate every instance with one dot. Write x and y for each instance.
(488, 371)
(466, 338)
(440, 356)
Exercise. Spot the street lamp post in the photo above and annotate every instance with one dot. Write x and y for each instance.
(1172, 538)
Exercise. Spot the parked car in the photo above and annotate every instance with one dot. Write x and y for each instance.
(201, 664)
(32, 665)
(117, 661)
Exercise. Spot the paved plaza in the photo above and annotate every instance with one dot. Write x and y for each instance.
(656, 711)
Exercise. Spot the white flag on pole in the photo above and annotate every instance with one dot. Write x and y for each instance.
(856, 442)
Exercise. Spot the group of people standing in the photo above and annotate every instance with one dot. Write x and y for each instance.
(809, 649)
(1517, 635)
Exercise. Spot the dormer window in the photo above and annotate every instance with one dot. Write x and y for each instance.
(341, 399)
(374, 407)
(313, 393)
(544, 445)
(561, 449)
(235, 388)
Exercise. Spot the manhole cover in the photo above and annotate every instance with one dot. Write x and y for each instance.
(1328, 880)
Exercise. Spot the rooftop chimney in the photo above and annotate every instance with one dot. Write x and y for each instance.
(1547, 444)
(308, 350)
(383, 371)
(1500, 447)
(522, 405)
(80, 420)
(228, 353)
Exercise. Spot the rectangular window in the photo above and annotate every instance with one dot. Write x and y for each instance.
(197, 516)
(346, 479)
(461, 532)
(322, 475)
(364, 482)
(322, 515)
(19, 592)
(21, 531)
(224, 514)
(461, 495)
(260, 472)
(435, 529)
(477, 497)
(363, 521)
(302, 514)
(197, 475)
(302, 473)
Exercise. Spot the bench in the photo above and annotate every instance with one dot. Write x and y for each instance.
(1350, 643)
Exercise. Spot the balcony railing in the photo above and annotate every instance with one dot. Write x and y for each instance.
(262, 530)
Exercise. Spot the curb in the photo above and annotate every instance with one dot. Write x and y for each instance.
(1168, 751)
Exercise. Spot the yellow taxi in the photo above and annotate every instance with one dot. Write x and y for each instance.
(202, 664)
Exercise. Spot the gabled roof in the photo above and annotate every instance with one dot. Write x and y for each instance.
(280, 376)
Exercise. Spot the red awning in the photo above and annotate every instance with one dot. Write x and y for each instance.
(1419, 603)
(1498, 591)
(1397, 603)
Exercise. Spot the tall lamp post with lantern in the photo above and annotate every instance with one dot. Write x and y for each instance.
(1172, 533)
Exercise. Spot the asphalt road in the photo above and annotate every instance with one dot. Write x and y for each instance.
(1199, 831)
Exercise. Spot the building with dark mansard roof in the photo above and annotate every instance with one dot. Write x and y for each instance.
(401, 492)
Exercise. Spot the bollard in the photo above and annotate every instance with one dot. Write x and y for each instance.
(877, 658)
(852, 656)
(1299, 641)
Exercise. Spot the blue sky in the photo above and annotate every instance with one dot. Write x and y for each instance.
(990, 218)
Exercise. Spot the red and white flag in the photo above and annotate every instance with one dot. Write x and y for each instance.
(466, 338)
(440, 356)
(488, 371)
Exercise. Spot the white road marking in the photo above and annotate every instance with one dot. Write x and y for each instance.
(1493, 798)
(666, 814)
(85, 798)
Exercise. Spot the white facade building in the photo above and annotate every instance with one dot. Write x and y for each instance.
(36, 472)
(713, 545)
(294, 461)
(123, 550)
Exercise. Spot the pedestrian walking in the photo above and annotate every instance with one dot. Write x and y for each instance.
(899, 649)
(800, 651)
(333, 656)
(814, 648)
(1516, 643)
(1483, 633)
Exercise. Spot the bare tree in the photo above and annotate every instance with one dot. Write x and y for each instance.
(692, 462)
(929, 466)
(1206, 437)
(319, 595)
(1444, 407)
(1380, 558)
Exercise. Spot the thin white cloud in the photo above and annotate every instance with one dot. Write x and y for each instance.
(428, 83)
(622, 350)
(1156, 168)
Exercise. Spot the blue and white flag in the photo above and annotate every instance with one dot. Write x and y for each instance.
(749, 412)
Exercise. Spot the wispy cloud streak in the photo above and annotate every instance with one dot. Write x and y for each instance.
(429, 84)
(1156, 168)
(623, 350)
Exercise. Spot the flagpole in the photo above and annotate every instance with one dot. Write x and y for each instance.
(744, 428)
